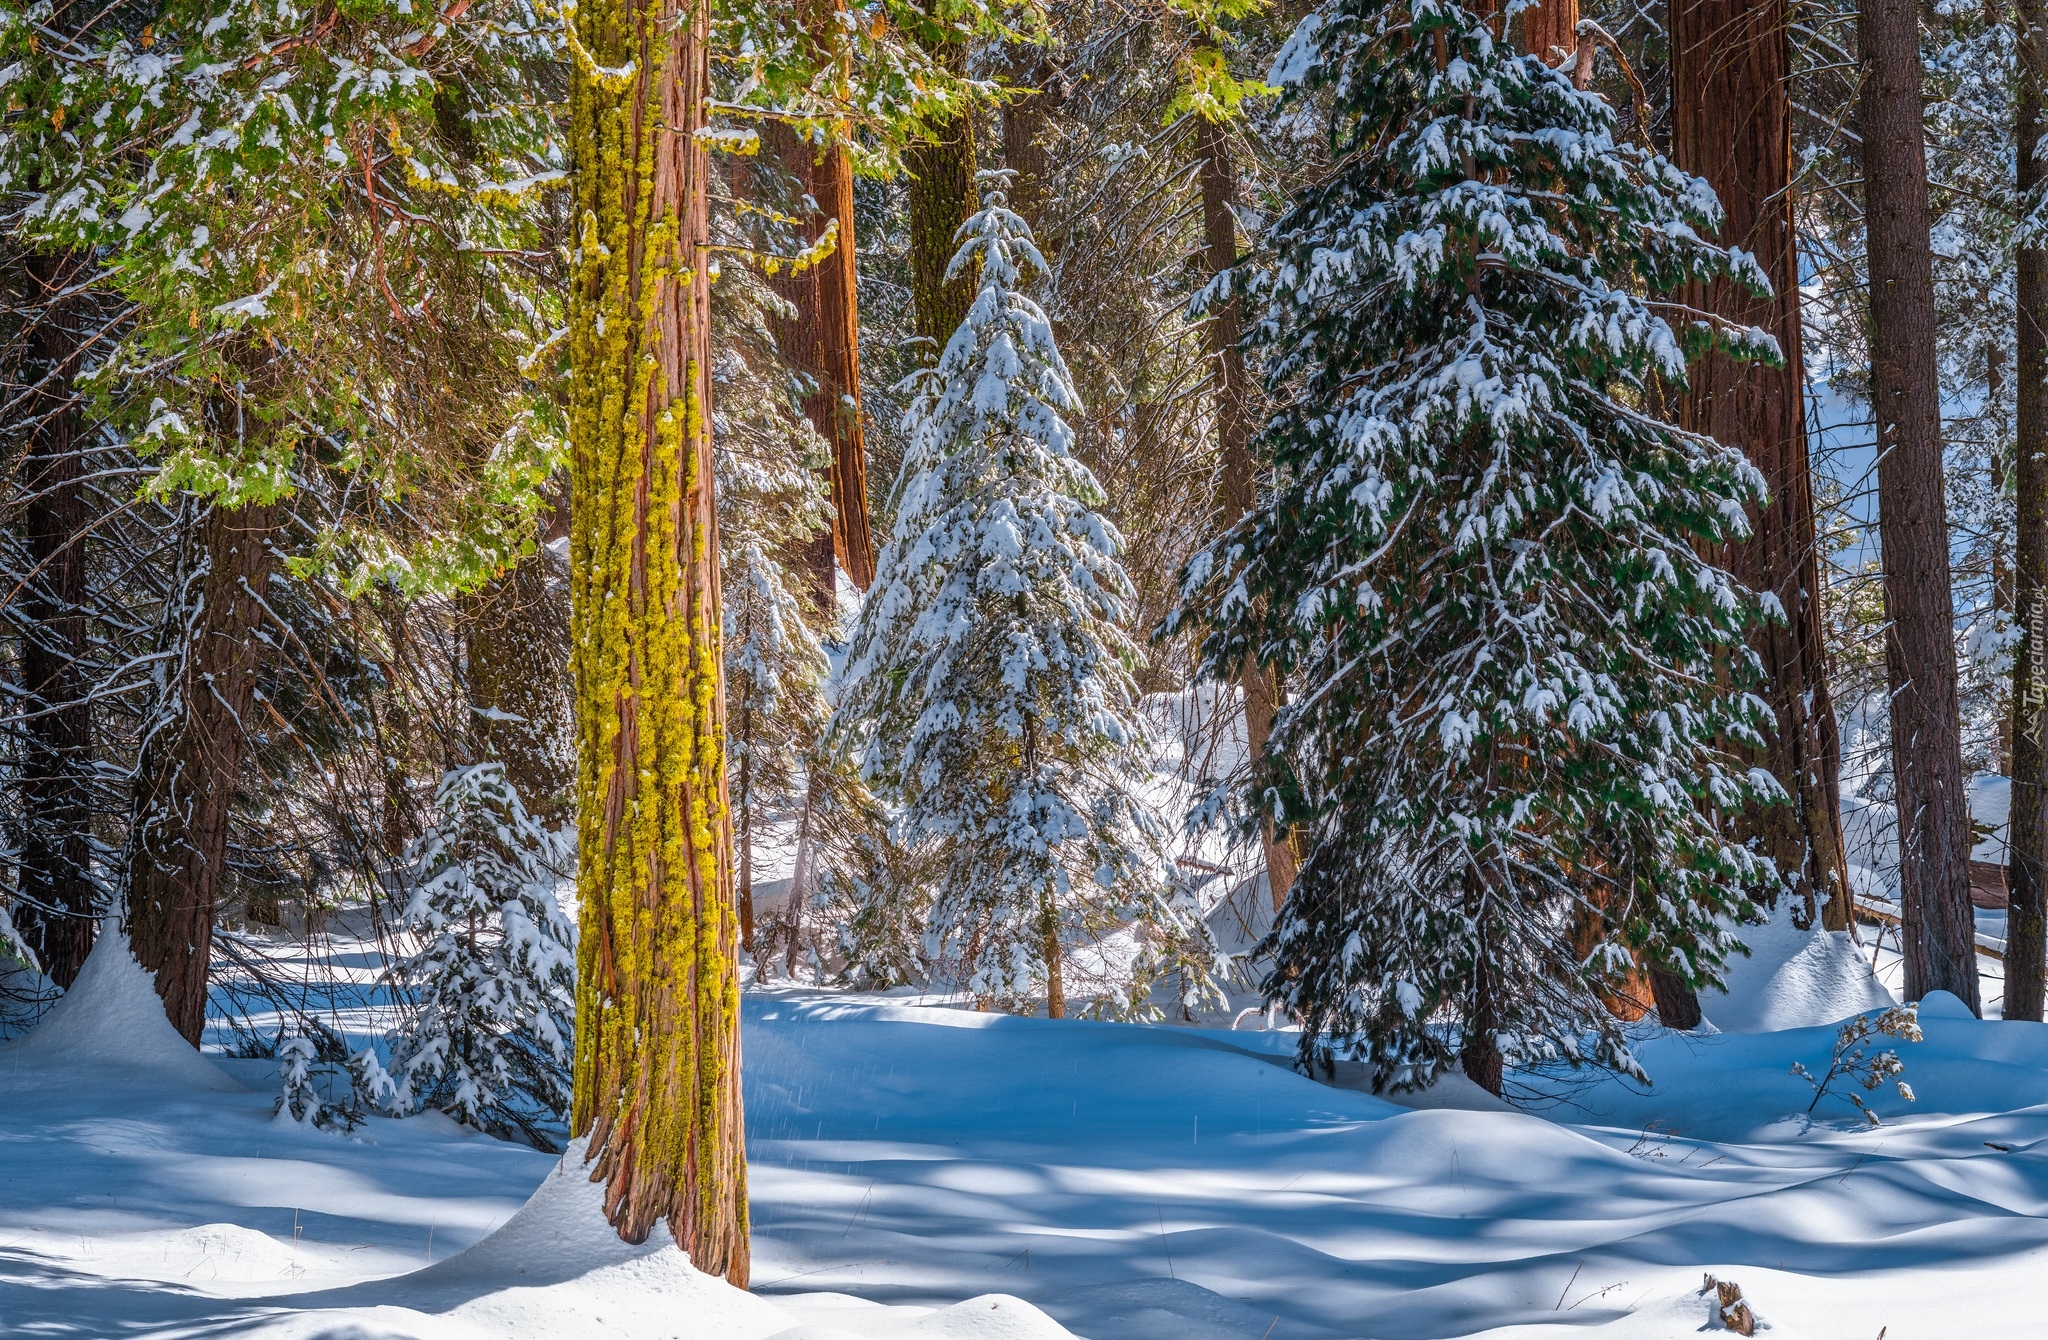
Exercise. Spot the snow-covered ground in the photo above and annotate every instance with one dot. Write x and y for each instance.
(1124, 1181)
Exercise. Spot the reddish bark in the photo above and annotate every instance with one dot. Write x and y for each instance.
(185, 793)
(1731, 124)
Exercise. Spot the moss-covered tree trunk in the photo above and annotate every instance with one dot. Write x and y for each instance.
(657, 1064)
(185, 787)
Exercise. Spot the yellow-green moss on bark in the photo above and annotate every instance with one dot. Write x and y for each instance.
(657, 1009)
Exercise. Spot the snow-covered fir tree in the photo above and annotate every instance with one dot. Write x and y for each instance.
(493, 981)
(988, 685)
(1512, 677)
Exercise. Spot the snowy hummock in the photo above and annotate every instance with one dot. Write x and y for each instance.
(112, 1019)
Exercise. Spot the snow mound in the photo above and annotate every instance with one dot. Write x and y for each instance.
(556, 1268)
(1793, 978)
(112, 1019)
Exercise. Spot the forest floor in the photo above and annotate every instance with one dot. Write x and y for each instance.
(917, 1169)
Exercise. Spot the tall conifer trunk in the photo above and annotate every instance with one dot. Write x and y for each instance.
(57, 912)
(1731, 123)
(1237, 481)
(657, 1063)
(513, 633)
(941, 170)
(822, 340)
(1933, 813)
(2026, 872)
(185, 787)
(1549, 27)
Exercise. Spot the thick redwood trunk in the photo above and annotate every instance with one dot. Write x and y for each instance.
(2026, 873)
(185, 789)
(1550, 30)
(1731, 124)
(57, 913)
(1237, 480)
(822, 340)
(1933, 812)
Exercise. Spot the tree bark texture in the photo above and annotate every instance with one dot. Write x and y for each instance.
(657, 1060)
(57, 912)
(2026, 871)
(514, 631)
(941, 170)
(1939, 933)
(1731, 123)
(1237, 479)
(1026, 118)
(186, 780)
(1551, 28)
(822, 340)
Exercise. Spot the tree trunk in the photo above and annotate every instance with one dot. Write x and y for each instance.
(1237, 480)
(1025, 119)
(657, 1063)
(1479, 1053)
(823, 341)
(58, 910)
(515, 633)
(745, 814)
(1551, 28)
(941, 169)
(1055, 975)
(1678, 1005)
(1731, 124)
(186, 780)
(2026, 870)
(1933, 813)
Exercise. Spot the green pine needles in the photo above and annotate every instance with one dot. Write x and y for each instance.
(1513, 681)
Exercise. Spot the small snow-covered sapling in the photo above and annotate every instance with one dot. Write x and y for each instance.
(1855, 1062)
(300, 1100)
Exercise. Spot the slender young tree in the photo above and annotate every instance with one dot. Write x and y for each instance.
(657, 1064)
(1939, 930)
(2026, 872)
(1237, 478)
(1731, 124)
(1481, 565)
(988, 685)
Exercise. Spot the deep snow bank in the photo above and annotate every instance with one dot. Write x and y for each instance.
(1793, 978)
(112, 1020)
